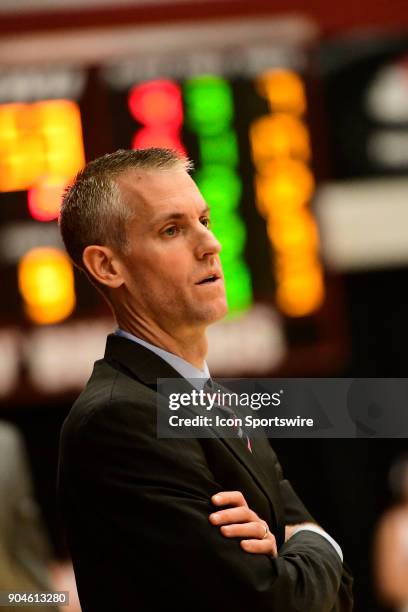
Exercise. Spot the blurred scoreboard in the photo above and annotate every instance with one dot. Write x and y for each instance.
(243, 118)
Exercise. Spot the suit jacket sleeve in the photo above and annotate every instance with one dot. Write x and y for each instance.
(296, 512)
(154, 519)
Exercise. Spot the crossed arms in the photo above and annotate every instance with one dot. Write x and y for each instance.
(151, 500)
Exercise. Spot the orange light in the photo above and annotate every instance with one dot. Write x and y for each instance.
(279, 135)
(284, 186)
(46, 283)
(41, 149)
(21, 154)
(294, 232)
(283, 183)
(158, 137)
(44, 199)
(300, 294)
(284, 91)
(59, 124)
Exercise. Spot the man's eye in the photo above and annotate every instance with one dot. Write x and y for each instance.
(170, 231)
(205, 221)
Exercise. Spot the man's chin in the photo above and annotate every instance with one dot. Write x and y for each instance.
(218, 311)
(209, 312)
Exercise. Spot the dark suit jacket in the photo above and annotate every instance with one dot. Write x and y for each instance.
(136, 508)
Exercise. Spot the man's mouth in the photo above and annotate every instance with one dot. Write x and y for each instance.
(211, 278)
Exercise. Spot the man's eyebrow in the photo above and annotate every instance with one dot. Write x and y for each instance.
(176, 215)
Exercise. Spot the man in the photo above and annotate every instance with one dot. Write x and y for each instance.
(202, 524)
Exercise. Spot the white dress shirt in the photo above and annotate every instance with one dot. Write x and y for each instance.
(184, 368)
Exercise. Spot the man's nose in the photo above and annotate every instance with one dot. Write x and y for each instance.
(206, 244)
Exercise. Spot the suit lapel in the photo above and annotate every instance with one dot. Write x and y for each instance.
(137, 361)
(253, 463)
(263, 480)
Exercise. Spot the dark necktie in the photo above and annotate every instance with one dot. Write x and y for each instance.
(211, 388)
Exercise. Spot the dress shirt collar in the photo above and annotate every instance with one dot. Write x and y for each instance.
(184, 368)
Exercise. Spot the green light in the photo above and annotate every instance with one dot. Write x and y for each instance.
(238, 286)
(220, 187)
(209, 104)
(219, 149)
(231, 235)
(209, 112)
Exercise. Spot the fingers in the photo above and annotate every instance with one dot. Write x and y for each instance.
(254, 540)
(242, 522)
(242, 514)
(266, 546)
(252, 530)
(229, 498)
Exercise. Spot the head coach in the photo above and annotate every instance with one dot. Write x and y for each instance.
(200, 524)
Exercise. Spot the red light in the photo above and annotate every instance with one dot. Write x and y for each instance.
(158, 137)
(44, 199)
(156, 102)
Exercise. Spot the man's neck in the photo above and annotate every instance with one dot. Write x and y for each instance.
(191, 346)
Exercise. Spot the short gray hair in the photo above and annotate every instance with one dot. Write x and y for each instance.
(93, 210)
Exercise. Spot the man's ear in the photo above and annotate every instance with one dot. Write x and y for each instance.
(103, 265)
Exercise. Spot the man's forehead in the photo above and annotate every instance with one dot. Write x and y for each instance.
(162, 179)
(154, 191)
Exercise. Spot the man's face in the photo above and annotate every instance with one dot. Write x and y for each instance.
(173, 273)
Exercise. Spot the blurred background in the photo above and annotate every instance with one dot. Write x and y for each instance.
(296, 116)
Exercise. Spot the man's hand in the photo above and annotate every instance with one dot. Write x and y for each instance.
(242, 522)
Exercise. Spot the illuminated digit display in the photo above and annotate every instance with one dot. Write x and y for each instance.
(41, 149)
(157, 106)
(244, 127)
(209, 113)
(284, 185)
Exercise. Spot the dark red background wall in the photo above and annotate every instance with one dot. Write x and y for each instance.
(333, 16)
